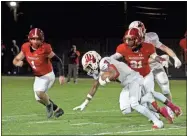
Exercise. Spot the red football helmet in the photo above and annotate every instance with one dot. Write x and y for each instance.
(132, 37)
(36, 33)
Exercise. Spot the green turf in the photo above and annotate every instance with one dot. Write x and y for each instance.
(22, 115)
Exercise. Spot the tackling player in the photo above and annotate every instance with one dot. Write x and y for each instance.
(137, 53)
(131, 81)
(158, 71)
(39, 55)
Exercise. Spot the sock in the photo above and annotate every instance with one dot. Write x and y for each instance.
(169, 104)
(155, 105)
(54, 105)
(159, 96)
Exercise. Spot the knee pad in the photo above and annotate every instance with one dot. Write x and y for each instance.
(126, 111)
(147, 98)
(165, 89)
(162, 78)
(163, 82)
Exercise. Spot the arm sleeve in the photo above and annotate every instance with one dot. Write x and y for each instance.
(61, 65)
(153, 38)
(116, 56)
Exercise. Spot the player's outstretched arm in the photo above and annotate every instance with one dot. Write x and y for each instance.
(17, 61)
(160, 59)
(90, 95)
(116, 56)
(54, 57)
(171, 53)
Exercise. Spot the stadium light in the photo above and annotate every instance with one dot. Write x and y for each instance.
(13, 4)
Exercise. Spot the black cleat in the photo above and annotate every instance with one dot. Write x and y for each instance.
(49, 109)
(59, 113)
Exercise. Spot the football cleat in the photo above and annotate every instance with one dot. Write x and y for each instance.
(158, 125)
(58, 113)
(165, 114)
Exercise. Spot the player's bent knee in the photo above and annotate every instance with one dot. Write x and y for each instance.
(166, 91)
(134, 102)
(134, 105)
(126, 111)
(162, 78)
(40, 94)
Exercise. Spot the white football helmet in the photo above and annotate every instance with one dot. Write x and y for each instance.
(90, 62)
(140, 26)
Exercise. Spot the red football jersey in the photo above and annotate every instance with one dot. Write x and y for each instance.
(38, 59)
(138, 61)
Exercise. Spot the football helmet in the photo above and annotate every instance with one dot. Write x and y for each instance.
(132, 37)
(90, 62)
(36, 33)
(139, 25)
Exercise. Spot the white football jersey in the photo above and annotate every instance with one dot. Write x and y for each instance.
(126, 74)
(153, 38)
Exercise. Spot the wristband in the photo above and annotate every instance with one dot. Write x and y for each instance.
(89, 96)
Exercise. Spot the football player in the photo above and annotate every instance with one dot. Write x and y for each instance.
(39, 55)
(131, 81)
(158, 71)
(137, 54)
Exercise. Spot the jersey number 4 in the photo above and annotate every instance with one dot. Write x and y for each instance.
(136, 64)
(33, 65)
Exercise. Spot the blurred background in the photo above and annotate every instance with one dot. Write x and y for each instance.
(90, 26)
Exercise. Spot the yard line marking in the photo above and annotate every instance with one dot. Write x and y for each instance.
(89, 123)
(70, 113)
(146, 130)
(46, 121)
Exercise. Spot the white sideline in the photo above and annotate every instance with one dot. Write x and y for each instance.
(127, 132)
(46, 121)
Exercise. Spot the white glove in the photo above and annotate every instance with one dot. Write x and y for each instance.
(82, 106)
(103, 82)
(165, 64)
(177, 62)
(165, 56)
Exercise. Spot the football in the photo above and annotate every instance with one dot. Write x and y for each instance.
(105, 75)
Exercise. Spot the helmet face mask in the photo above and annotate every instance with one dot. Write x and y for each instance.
(90, 70)
(35, 42)
(90, 62)
(132, 38)
(36, 37)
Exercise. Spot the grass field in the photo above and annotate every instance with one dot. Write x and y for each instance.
(22, 115)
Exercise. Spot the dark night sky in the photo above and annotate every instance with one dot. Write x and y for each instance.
(92, 19)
